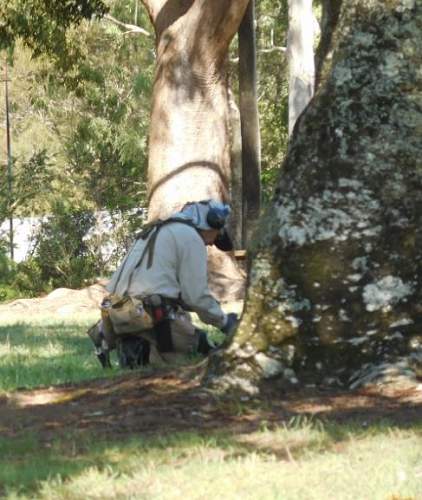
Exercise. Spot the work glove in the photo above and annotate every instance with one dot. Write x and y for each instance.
(230, 324)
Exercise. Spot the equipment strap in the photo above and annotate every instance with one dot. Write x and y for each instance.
(150, 233)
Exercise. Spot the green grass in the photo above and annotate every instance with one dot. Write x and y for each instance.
(43, 352)
(302, 460)
(40, 351)
(299, 462)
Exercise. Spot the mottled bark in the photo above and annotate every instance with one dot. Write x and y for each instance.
(335, 288)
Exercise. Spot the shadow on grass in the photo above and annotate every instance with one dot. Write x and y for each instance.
(66, 430)
(28, 462)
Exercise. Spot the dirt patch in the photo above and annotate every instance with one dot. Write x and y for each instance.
(61, 302)
(64, 302)
(168, 401)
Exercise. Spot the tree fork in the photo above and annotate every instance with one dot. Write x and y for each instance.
(189, 147)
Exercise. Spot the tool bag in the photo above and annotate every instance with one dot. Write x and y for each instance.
(125, 318)
(126, 314)
(123, 322)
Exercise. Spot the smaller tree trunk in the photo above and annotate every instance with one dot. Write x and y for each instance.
(330, 14)
(236, 178)
(251, 154)
(300, 54)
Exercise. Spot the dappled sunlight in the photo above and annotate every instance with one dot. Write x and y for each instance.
(182, 466)
(46, 351)
(49, 396)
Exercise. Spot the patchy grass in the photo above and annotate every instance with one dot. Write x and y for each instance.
(39, 351)
(42, 351)
(304, 459)
(297, 461)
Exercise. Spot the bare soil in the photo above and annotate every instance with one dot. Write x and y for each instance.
(167, 401)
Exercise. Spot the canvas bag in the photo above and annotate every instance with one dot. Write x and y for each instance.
(126, 314)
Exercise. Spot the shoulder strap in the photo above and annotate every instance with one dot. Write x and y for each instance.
(150, 232)
(154, 227)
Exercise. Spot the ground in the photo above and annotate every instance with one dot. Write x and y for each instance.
(171, 400)
(163, 400)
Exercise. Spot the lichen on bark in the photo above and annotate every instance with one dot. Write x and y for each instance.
(335, 284)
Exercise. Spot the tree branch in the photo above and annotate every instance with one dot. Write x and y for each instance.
(263, 51)
(131, 28)
(274, 48)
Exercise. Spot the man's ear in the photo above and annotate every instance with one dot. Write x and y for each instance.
(223, 241)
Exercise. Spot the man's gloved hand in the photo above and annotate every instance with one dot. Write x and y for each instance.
(230, 324)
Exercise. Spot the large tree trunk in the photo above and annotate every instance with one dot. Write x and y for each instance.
(335, 292)
(189, 142)
(189, 149)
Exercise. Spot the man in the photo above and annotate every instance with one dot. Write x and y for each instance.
(166, 272)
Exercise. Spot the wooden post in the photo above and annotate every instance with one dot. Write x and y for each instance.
(9, 161)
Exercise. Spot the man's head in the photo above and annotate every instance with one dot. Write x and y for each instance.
(209, 217)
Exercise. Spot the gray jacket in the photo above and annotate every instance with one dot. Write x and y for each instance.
(179, 270)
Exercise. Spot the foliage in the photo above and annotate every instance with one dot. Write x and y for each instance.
(43, 26)
(106, 147)
(7, 272)
(78, 141)
(31, 187)
(90, 130)
(272, 24)
(80, 108)
(61, 256)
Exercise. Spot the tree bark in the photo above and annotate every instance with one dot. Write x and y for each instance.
(189, 139)
(300, 55)
(330, 14)
(236, 222)
(189, 149)
(248, 105)
(335, 288)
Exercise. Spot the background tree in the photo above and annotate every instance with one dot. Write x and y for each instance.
(335, 281)
(248, 106)
(82, 105)
(189, 153)
(300, 53)
(189, 139)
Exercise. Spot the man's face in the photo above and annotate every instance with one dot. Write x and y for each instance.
(209, 235)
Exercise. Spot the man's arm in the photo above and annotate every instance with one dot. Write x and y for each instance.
(193, 279)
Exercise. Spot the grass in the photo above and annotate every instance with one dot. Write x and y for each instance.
(45, 351)
(304, 459)
(301, 462)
